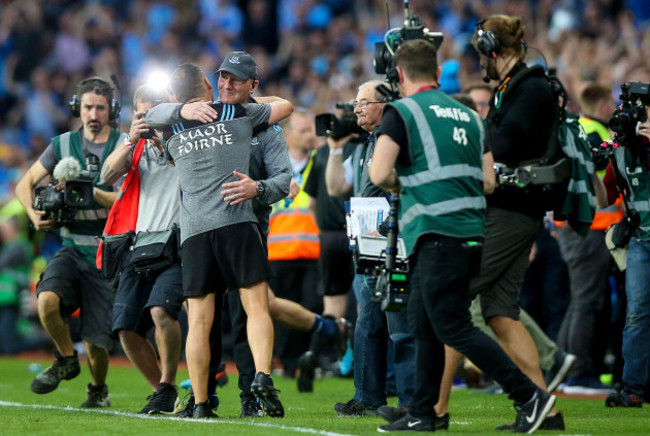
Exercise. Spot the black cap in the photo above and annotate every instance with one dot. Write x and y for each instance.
(241, 64)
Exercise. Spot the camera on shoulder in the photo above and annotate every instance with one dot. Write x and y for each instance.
(62, 206)
(627, 118)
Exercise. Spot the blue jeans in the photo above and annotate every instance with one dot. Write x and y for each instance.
(636, 334)
(371, 349)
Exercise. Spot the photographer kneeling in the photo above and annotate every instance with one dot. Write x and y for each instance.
(629, 173)
(71, 280)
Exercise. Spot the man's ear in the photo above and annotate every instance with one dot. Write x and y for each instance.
(438, 72)
(207, 83)
(400, 74)
(255, 85)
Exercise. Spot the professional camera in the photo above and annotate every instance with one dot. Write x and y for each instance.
(338, 127)
(384, 60)
(631, 113)
(62, 206)
(385, 260)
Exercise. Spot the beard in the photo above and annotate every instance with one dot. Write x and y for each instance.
(94, 126)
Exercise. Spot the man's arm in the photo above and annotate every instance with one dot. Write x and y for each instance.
(280, 109)
(165, 114)
(335, 172)
(382, 169)
(277, 168)
(25, 194)
(489, 176)
(105, 198)
(116, 164)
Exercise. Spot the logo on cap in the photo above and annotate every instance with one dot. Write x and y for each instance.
(234, 60)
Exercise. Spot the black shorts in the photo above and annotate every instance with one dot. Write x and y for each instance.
(136, 293)
(230, 257)
(80, 284)
(335, 263)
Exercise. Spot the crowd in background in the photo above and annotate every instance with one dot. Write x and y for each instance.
(313, 53)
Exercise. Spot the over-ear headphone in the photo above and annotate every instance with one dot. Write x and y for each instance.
(75, 101)
(486, 42)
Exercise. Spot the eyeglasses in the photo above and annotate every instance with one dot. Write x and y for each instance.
(363, 103)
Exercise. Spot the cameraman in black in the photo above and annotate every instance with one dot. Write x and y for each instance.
(629, 173)
(373, 326)
(71, 280)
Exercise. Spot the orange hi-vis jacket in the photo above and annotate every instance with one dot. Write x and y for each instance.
(293, 233)
(126, 203)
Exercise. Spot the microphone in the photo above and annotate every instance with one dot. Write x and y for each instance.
(116, 81)
(67, 169)
(486, 78)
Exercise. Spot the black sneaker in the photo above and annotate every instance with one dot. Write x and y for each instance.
(221, 377)
(307, 364)
(262, 387)
(165, 401)
(203, 410)
(392, 414)
(558, 373)
(188, 411)
(97, 397)
(531, 414)
(63, 368)
(552, 422)
(190, 405)
(354, 408)
(345, 337)
(623, 399)
(251, 409)
(408, 423)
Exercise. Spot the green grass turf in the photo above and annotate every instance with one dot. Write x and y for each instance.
(306, 413)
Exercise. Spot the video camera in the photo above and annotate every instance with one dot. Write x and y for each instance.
(384, 57)
(388, 265)
(625, 121)
(62, 206)
(337, 127)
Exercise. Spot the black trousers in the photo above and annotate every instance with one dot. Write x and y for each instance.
(241, 349)
(438, 313)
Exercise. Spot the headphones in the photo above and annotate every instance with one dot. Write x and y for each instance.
(487, 43)
(75, 101)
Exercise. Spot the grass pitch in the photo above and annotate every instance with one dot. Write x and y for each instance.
(25, 413)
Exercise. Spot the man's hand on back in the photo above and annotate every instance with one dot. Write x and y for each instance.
(200, 111)
(237, 192)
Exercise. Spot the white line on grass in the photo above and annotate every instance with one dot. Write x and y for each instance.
(159, 417)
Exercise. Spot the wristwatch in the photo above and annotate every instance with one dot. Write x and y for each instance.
(260, 188)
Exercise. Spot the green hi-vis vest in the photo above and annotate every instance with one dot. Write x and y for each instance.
(442, 189)
(13, 279)
(638, 180)
(88, 221)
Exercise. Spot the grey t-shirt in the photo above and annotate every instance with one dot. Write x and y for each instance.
(206, 156)
(159, 199)
(49, 159)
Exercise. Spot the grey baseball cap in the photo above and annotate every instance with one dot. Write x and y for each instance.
(241, 64)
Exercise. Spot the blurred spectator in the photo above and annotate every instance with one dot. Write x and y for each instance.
(15, 258)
